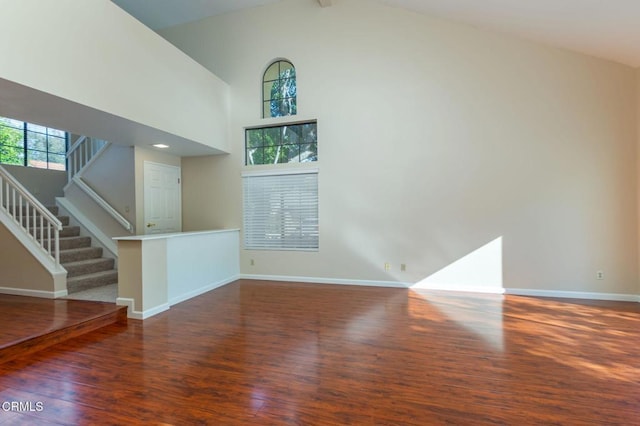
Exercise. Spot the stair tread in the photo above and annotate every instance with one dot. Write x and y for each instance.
(78, 249)
(88, 261)
(93, 275)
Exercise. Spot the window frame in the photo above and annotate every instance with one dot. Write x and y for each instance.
(266, 81)
(309, 139)
(28, 129)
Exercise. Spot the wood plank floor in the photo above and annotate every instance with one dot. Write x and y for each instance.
(277, 353)
(30, 324)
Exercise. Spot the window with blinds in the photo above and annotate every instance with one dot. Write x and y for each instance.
(281, 211)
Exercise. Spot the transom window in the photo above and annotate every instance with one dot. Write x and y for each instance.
(279, 97)
(27, 144)
(290, 143)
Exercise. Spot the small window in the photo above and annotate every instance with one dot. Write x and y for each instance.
(27, 144)
(279, 97)
(280, 211)
(290, 143)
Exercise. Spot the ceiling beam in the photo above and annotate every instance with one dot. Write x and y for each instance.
(324, 3)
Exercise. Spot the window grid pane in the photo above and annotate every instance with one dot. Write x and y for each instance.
(279, 90)
(290, 143)
(32, 145)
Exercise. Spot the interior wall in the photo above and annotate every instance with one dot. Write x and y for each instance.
(435, 139)
(44, 184)
(112, 176)
(97, 53)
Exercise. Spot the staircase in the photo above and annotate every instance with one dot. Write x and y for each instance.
(86, 268)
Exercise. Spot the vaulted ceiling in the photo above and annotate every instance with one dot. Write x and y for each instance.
(606, 29)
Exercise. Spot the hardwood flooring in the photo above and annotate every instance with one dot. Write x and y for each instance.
(264, 353)
(31, 324)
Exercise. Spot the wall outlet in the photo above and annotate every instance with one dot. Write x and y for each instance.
(600, 275)
(251, 262)
(387, 266)
(403, 267)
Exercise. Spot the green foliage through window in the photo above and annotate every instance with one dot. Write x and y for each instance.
(279, 90)
(293, 143)
(32, 145)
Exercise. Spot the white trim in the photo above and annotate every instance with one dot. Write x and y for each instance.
(33, 293)
(313, 280)
(102, 203)
(573, 294)
(463, 288)
(469, 289)
(140, 315)
(202, 290)
(95, 232)
(272, 172)
(146, 237)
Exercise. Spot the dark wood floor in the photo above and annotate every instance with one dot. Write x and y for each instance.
(281, 353)
(30, 324)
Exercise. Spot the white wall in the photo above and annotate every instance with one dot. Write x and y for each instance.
(435, 139)
(112, 176)
(90, 62)
(44, 184)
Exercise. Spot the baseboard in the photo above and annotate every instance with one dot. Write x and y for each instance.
(140, 315)
(573, 294)
(469, 289)
(201, 290)
(33, 293)
(463, 288)
(314, 280)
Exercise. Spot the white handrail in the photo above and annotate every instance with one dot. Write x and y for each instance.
(81, 153)
(102, 203)
(30, 215)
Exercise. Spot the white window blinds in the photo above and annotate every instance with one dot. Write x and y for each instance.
(281, 211)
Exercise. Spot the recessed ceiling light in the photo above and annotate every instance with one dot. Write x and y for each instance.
(160, 145)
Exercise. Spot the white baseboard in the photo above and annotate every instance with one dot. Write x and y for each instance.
(131, 313)
(313, 280)
(201, 290)
(470, 289)
(463, 288)
(574, 294)
(33, 293)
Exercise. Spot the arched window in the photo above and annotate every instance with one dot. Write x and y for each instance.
(279, 90)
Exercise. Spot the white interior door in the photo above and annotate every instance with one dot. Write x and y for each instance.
(162, 199)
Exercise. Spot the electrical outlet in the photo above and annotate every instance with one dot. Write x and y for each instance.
(600, 275)
(251, 262)
(403, 267)
(387, 266)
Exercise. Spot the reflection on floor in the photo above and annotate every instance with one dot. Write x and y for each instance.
(30, 324)
(256, 352)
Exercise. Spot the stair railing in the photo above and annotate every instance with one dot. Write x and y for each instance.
(37, 222)
(81, 152)
(79, 157)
